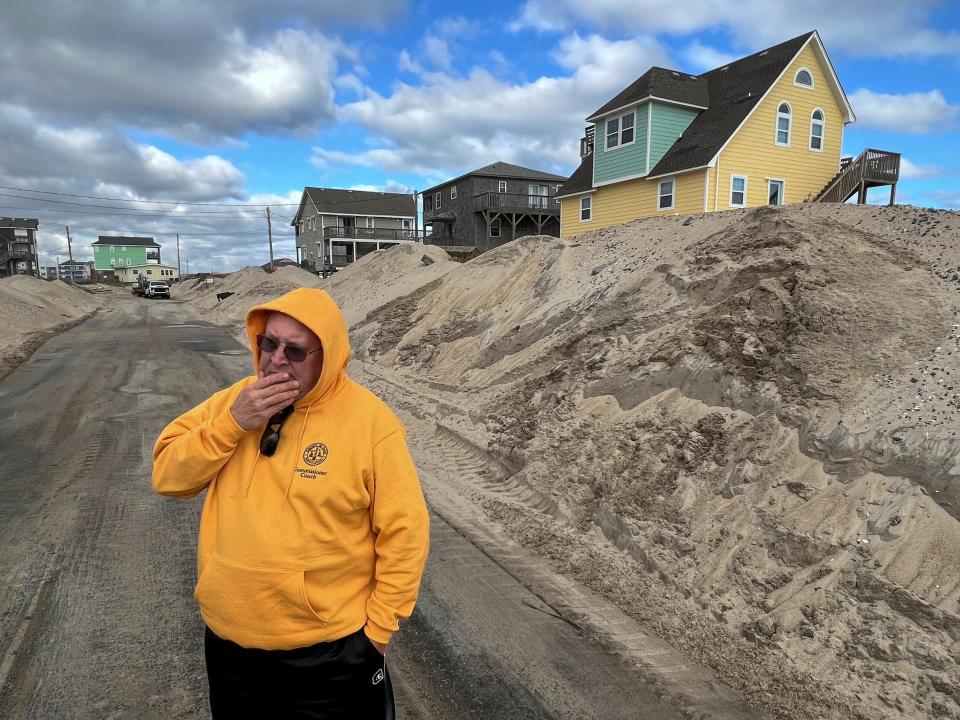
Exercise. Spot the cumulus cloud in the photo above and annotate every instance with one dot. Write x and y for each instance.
(189, 70)
(702, 57)
(413, 124)
(905, 28)
(919, 112)
(912, 171)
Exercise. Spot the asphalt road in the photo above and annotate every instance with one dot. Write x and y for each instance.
(97, 618)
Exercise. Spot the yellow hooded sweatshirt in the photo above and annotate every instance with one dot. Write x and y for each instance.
(329, 534)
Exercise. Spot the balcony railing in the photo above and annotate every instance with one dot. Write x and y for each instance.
(516, 202)
(370, 234)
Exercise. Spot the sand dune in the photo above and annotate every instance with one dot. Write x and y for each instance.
(740, 427)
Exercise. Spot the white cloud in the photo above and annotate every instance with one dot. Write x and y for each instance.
(196, 71)
(701, 57)
(854, 26)
(437, 52)
(912, 171)
(413, 124)
(919, 112)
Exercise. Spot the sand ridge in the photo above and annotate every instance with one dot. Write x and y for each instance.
(740, 427)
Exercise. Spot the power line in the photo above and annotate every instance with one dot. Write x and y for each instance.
(120, 207)
(143, 214)
(157, 202)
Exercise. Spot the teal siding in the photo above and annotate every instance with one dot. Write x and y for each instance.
(621, 162)
(669, 122)
(136, 254)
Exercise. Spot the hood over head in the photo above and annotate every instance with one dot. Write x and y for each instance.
(319, 312)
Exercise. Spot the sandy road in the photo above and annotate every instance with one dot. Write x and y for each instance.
(97, 618)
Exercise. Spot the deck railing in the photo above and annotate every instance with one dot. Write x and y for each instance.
(516, 202)
(370, 234)
(871, 166)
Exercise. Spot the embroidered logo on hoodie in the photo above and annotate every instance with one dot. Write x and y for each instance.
(315, 454)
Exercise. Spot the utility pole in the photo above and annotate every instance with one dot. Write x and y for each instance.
(270, 237)
(70, 250)
(178, 257)
(416, 219)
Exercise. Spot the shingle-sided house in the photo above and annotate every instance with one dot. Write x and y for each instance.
(18, 246)
(113, 252)
(765, 129)
(490, 206)
(337, 227)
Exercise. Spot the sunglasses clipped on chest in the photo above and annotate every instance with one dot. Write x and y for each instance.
(293, 353)
(271, 433)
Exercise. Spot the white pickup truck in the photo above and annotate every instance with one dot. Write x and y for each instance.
(157, 289)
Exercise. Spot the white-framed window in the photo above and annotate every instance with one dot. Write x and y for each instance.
(123, 248)
(665, 194)
(436, 200)
(96, 248)
(369, 222)
(502, 186)
(783, 125)
(495, 227)
(803, 78)
(586, 208)
(112, 249)
(775, 190)
(428, 202)
(620, 130)
(816, 130)
(20, 232)
(453, 192)
(738, 191)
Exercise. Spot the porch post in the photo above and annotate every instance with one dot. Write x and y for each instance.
(893, 194)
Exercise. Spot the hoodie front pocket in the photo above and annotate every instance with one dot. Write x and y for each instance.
(264, 600)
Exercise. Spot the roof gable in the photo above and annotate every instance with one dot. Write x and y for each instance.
(337, 201)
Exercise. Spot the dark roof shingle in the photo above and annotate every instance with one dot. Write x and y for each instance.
(581, 180)
(660, 83)
(360, 202)
(12, 222)
(125, 240)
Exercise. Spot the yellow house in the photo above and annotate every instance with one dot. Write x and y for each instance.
(765, 129)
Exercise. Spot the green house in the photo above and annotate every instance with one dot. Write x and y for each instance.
(112, 252)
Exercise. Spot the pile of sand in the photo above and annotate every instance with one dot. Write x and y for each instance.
(31, 310)
(740, 427)
(723, 398)
(375, 279)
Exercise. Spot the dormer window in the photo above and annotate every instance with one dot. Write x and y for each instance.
(783, 125)
(620, 130)
(803, 78)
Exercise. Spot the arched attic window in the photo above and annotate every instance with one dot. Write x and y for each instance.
(803, 78)
(816, 130)
(783, 125)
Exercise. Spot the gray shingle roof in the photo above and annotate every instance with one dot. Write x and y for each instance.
(735, 89)
(581, 180)
(12, 222)
(359, 202)
(125, 240)
(660, 83)
(503, 170)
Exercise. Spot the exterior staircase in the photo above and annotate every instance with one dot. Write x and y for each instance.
(871, 168)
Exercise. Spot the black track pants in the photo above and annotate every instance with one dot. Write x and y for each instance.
(346, 678)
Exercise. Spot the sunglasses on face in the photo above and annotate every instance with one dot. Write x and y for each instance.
(271, 433)
(292, 352)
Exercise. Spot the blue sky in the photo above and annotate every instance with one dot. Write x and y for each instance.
(241, 102)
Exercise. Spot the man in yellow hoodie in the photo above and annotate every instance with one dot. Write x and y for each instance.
(314, 531)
